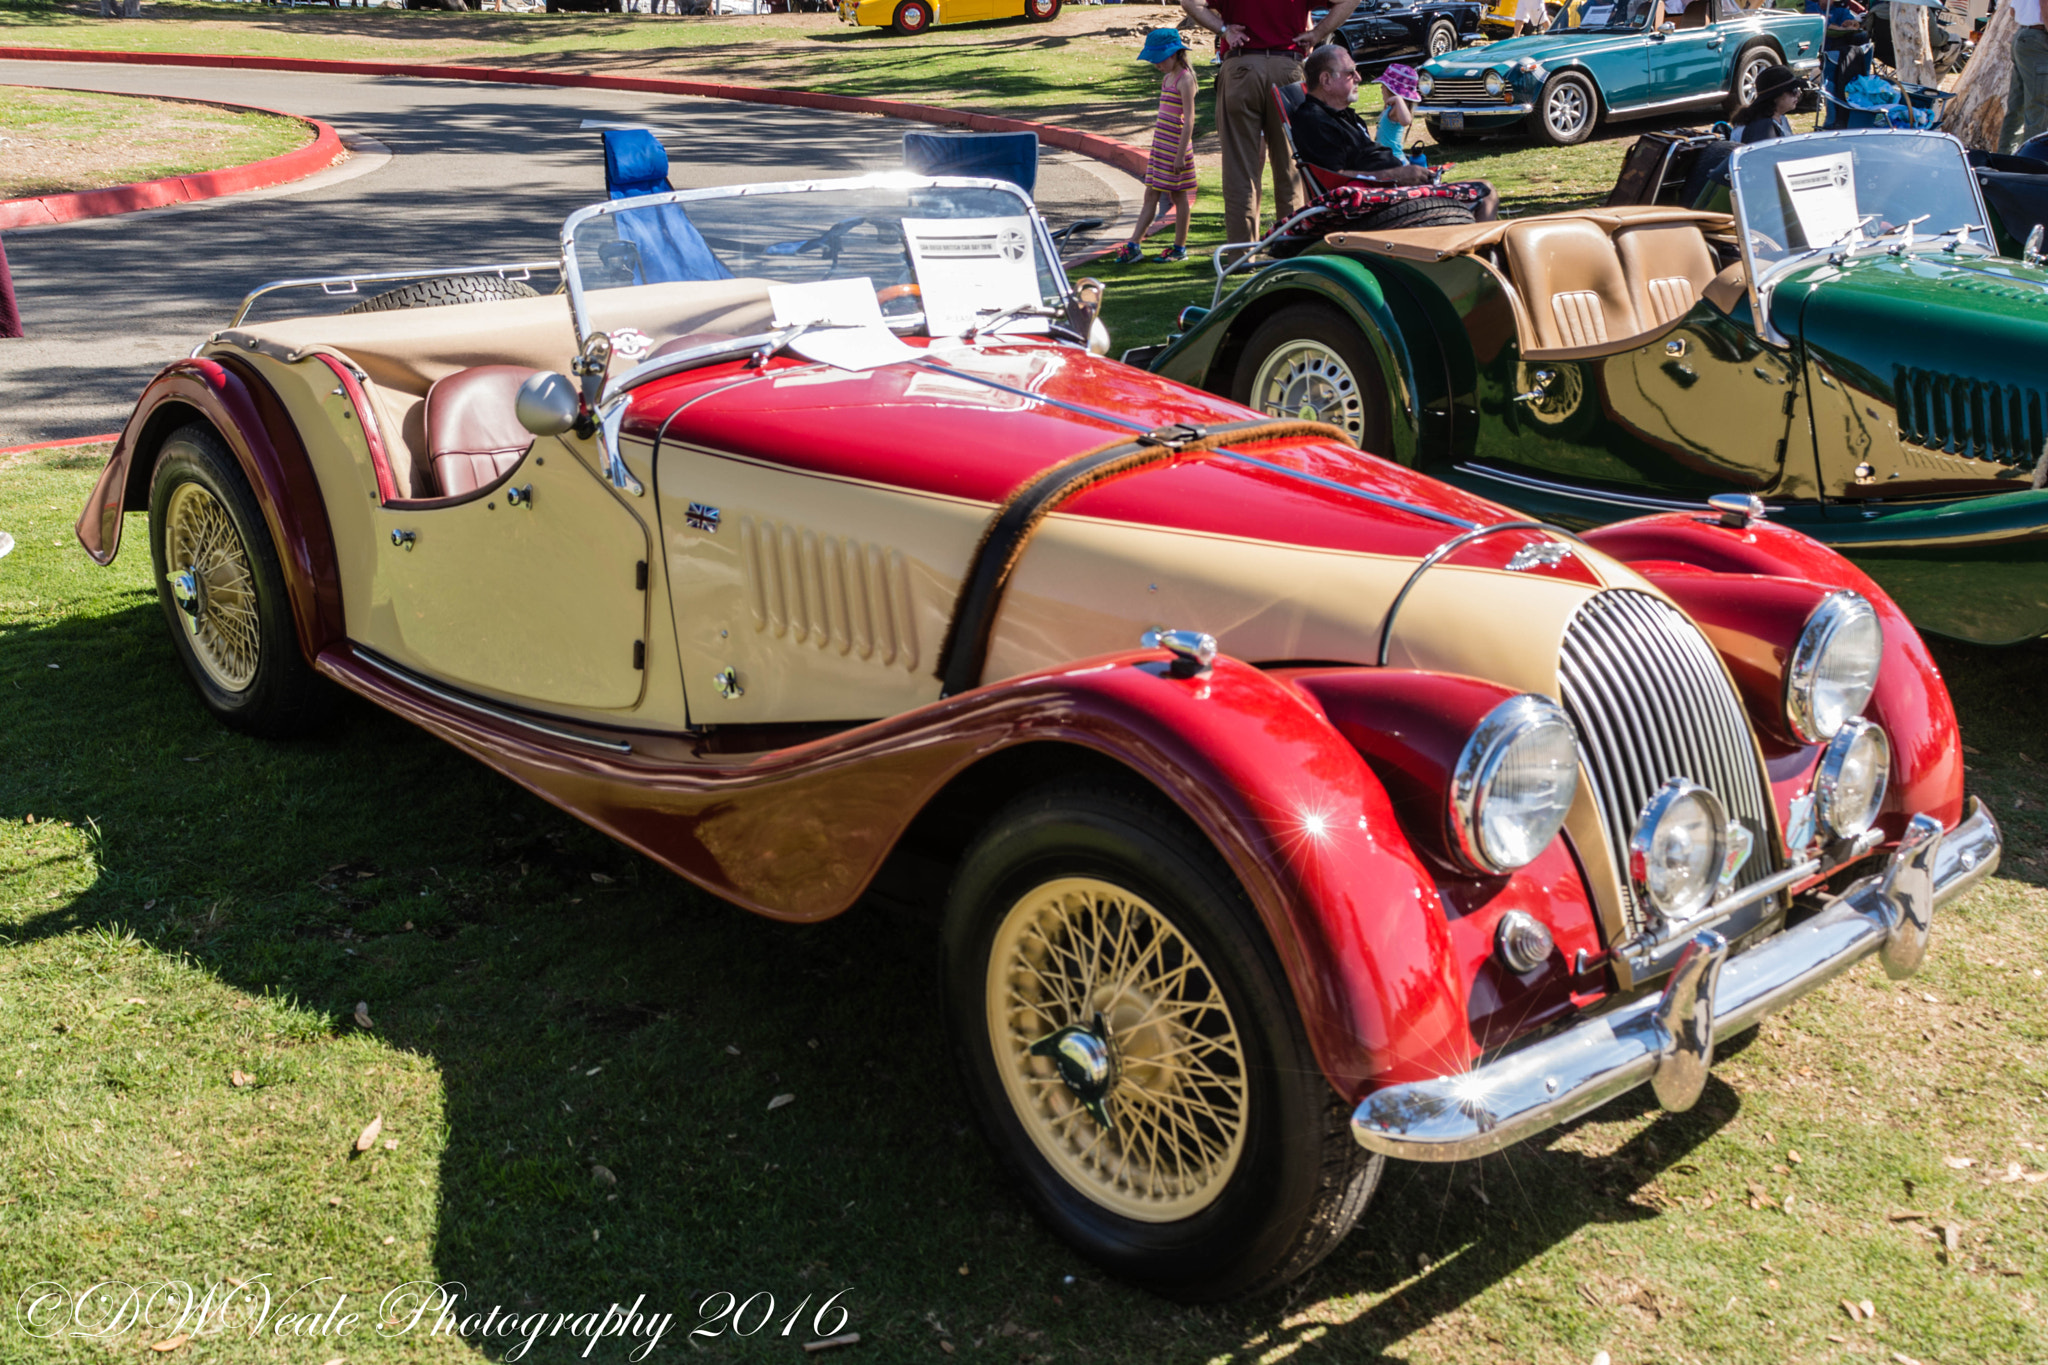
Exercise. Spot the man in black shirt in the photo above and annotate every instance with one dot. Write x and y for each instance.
(1329, 134)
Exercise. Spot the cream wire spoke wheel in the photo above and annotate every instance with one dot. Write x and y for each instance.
(1116, 1049)
(208, 570)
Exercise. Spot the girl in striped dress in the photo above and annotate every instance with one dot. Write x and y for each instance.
(1170, 175)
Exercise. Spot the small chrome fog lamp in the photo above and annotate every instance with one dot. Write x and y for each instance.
(1854, 775)
(1522, 942)
(1679, 857)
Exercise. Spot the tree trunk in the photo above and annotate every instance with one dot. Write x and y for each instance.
(1977, 114)
(1910, 43)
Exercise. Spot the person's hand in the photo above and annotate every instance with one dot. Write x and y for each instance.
(1235, 34)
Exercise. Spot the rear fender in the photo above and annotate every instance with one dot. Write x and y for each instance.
(1208, 356)
(1911, 701)
(228, 395)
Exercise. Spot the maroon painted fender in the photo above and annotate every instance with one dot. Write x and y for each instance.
(239, 405)
(797, 833)
(1679, 551)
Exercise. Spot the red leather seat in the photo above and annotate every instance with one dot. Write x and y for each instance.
(473, 432)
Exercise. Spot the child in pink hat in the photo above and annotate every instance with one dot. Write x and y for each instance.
(1398, 84)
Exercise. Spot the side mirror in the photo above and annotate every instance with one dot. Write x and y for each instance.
(2030, 252)
(1667, 27)
(547, 404)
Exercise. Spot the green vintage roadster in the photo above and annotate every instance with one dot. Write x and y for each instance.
(1615, 59)
(1845, 348)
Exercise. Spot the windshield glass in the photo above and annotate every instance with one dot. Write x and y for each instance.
(938, 257)
(1803, 194)
(1581, 15)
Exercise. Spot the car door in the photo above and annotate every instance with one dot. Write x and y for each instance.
(1375, 37)
(1690, 61)
(533, 590)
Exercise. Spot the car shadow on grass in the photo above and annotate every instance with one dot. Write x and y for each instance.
(612, 1048)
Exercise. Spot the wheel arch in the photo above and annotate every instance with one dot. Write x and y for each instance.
(228, 396)
(1364, 298)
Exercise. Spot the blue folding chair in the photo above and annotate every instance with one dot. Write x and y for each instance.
(666, 244)
(996, 156)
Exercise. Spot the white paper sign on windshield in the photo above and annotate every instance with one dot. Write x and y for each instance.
(1822, 193)
(826, 303)
(971, 269)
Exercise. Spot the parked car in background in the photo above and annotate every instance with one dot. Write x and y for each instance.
(1286, 810)
(1383, 31)
(1879, 387)
(915, 16)
(1615, 59)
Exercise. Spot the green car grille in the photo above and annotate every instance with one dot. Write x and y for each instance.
(1463, 92)
(1970, 417)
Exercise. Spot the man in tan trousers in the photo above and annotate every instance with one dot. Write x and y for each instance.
(1263, 44)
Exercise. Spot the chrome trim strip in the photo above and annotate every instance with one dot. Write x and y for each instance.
(1427, 110)
(1545, 486)
(1457, 1118)
(1655, 105)
(469, 703)
(1436, 557)
(383, 277)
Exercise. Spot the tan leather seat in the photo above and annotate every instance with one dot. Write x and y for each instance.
(1572, 283)
(1668, 266)
(473, 433)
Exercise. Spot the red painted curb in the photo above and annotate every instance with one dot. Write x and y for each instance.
(58, 445)
(1124, 156)
(316, 155)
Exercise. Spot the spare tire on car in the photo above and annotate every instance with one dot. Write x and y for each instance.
(446, 290)
(1414, 213)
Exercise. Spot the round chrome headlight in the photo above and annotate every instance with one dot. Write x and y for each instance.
(1834, 667)
(1514, 783)
(1854, 774)
(1425, 83)
(1680, 843)
(1495, 83)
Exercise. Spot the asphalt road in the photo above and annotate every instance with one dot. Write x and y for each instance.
(442, 173)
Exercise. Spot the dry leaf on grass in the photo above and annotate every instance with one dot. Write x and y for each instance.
(239, 1078)
(781, 1100)
(368, 1137)
(1906, 1215)
(1854, 1311)
(1959, 1163)
(363, 1014)
(1869, 1309)
(601, 879)
(173, 1343)
(603, 1175)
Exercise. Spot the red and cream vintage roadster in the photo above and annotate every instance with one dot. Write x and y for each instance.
(1289, 811)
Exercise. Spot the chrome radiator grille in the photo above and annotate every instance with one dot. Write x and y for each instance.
(1650, 701)
(1462, 91)
(1970, 417)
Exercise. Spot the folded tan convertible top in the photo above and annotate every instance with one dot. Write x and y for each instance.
(1441, 243)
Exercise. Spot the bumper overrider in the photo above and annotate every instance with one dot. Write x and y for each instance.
(1668, 1039)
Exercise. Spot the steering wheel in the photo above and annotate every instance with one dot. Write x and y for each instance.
(898, 291)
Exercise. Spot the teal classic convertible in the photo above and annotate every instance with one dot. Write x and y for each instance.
(1845, 354)
(1615, 59)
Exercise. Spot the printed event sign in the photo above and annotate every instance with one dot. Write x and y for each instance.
(970, 269)
(846, 321)
(1822, 193)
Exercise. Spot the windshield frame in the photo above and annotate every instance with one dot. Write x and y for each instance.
(572, 278)
(1764, 277)
(1559, 25)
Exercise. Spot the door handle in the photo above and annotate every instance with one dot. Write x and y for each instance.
(520, 496)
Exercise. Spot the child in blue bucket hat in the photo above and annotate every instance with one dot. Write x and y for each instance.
(1171, 172)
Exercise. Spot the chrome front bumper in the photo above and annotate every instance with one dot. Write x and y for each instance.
(1473, 110)
(1668, 1040)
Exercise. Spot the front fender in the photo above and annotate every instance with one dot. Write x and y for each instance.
(229, 396)
(1911, 701)
(1409, 359)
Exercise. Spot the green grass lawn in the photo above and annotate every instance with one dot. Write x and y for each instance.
(57, 140)
(189, 918)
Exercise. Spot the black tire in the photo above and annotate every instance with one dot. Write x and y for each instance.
(223, 591)
(1749, 63)
(1042, 11)
(1291, 1182)
(1441, 38)
(912, 17)
(1413, 213)
(1567, 110)
(438, 293)
(1310, 360)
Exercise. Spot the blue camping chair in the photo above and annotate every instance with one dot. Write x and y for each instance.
(1874, 102)
(666, 244)
(994, 156)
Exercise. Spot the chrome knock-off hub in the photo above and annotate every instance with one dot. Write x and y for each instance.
(1086, 1061)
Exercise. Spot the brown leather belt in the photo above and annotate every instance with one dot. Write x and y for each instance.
(1264, 52)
